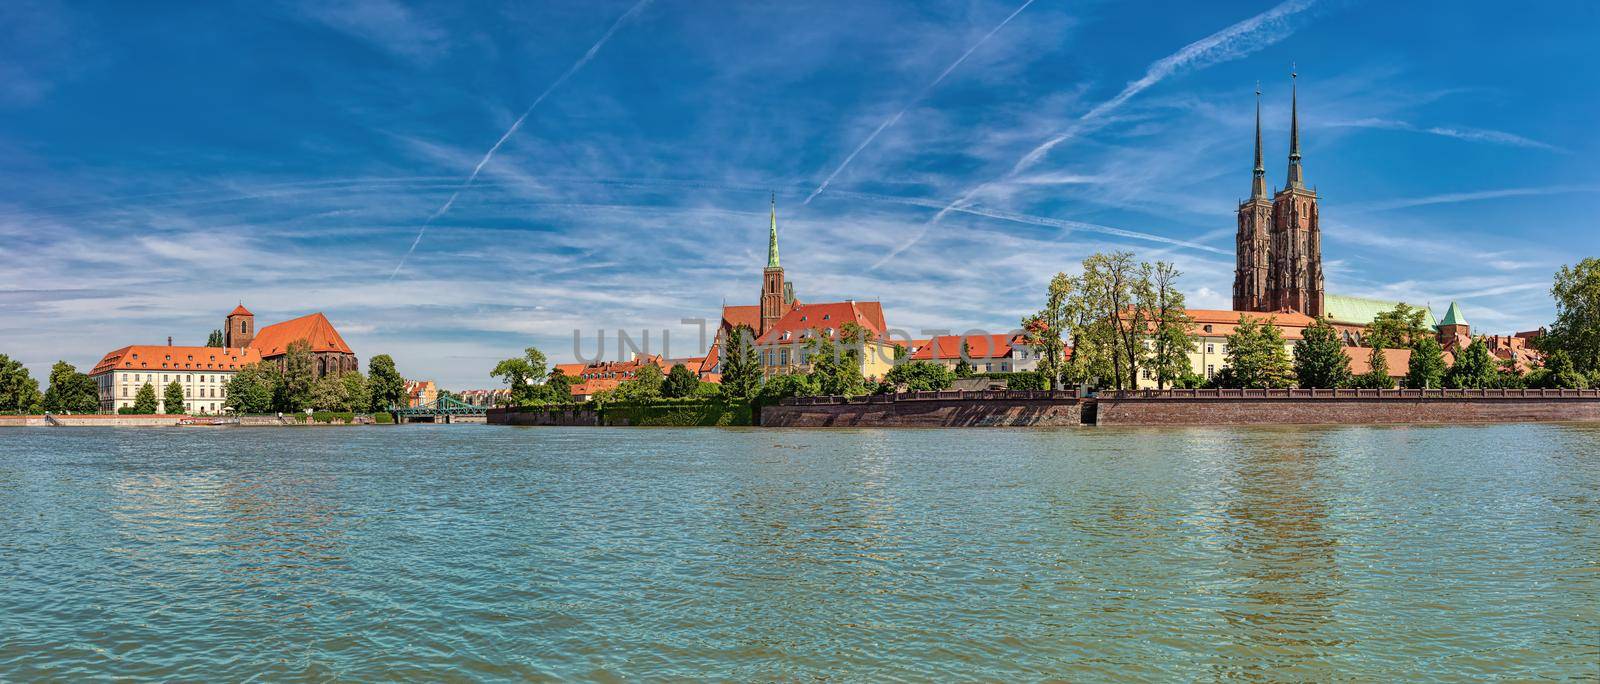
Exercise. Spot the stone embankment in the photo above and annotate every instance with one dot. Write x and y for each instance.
(998, 408)
(163, 420)
(1189, 408)
(1345, 406)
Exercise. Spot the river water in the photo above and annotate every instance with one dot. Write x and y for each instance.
(483, 552)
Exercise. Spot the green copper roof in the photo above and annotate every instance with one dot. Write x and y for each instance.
(1361, 311)
(1452, 316)
(772, 237)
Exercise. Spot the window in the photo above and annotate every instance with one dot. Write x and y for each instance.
(1208, 327)
(1210, 371)
(1211, 349)
(124, 391)
(1147, 375)
(163, 378)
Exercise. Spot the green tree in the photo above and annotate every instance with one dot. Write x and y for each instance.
(780, 387)
(557, 388)
(964, 367)
(357, 394)
(1045, 332)
(836, 367)
(1319, 359)
(386, 387)
(172, 402)
(329, 393)
(519, 374)
(215, 340)
(644, 385)
(741, 368)
(1426, 370)
(71, 391)
(1398, 328)
(1378, 376)
(251, 389)
(1576, 330)
(299, 374)
(1558, 373)
(1475, 367)
(1106, 297)
(19, 392)
(1256, 355)
(920, 376)
(144, 403)
(1173, 338)
(681, 382)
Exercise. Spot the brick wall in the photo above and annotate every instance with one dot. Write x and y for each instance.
(1347, 407)
(928, 409)
(505, 416)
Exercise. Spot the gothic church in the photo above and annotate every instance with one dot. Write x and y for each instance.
(1279, 246)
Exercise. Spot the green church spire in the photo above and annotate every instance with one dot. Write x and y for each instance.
(772, 235)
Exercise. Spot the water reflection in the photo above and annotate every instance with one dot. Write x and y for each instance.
(1284, 558)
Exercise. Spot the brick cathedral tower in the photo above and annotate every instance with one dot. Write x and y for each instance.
(240, 328)
(775, 298)
(1294, 278)
(1252, 248)
(1279, 244)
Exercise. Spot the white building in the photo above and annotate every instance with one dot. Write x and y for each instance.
(203, 372)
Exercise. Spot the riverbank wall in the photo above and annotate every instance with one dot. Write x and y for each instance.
(659, 413)
(1344, 407)
(1188, 408)
(541, 416)
(163, 420)
(930, 409)
(91, 420)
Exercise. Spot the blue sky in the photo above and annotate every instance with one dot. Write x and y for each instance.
(161, 162)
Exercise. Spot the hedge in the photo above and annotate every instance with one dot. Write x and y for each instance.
(676, 413)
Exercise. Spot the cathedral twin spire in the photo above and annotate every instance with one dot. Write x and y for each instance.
(1258, 183)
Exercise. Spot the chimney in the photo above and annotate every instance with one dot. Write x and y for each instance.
(169, 340)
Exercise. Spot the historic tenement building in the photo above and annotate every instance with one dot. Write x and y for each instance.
(1279, 245)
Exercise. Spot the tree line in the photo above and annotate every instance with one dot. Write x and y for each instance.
(293, 386)
(1124, 319)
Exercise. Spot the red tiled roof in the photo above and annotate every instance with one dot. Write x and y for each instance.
(735, 316)
(1223, 322)
(596, 377)
(1399, 360)
(949, 347)
(819, 319)
(239, 311)
(315, 329)
(161, 357)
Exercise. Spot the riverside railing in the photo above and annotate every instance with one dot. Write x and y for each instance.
(1199, 394)
(1395, 394)
(946, 395)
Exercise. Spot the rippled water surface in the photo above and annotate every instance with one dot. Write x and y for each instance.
(477, 552)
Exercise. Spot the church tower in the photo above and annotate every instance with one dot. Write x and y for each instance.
(1295, 272)
(1252, 245)
(240, 328)
(774, 303)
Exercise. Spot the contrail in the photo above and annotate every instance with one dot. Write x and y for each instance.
(918, 98)
(516, 125)
(1235, 41)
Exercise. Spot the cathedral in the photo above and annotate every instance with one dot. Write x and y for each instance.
(1279, 245)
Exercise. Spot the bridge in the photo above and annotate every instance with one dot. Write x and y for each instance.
(444, 410)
